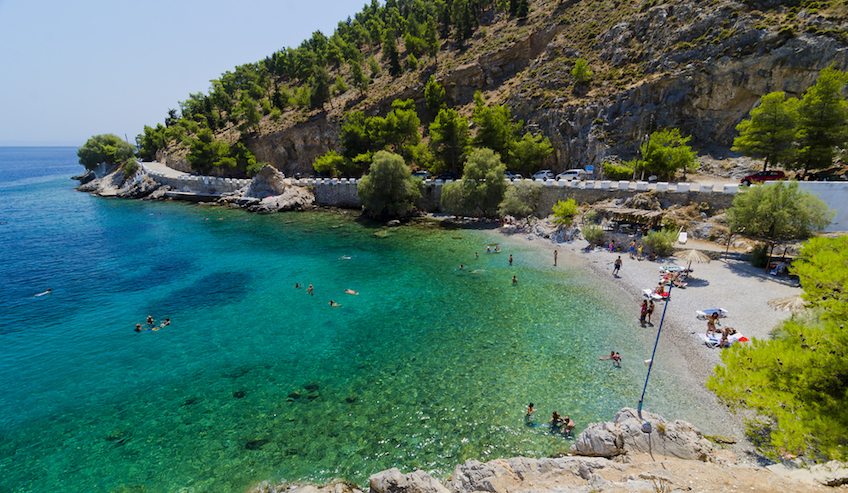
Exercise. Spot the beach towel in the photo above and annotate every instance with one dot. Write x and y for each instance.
(649, 293)
(706, 313)
(715, 339)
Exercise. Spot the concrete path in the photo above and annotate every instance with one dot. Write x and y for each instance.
(161, 168)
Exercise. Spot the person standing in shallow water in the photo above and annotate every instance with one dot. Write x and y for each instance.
(555, 258)
(510, 259)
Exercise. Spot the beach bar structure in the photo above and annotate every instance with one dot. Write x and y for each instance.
(646, 220)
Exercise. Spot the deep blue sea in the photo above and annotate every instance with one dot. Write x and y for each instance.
(256, 380)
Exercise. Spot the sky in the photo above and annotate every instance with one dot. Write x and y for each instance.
(73, 69)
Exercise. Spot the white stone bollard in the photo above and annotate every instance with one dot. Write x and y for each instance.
(574, 184)
(605, 185)
(683, 187)
(624, 185)
(641, 185)
(731, 189)
(706, 188)
(661, 186)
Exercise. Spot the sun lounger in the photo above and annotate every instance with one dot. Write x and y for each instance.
(650, 293)
(706, 313)
(682, 237)
(673, 268)
(715, 340)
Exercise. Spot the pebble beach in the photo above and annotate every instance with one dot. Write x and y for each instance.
(732, 285)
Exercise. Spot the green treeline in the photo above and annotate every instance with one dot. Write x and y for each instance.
(298, 79)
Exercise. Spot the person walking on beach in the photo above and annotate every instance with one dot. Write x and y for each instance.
(617, 266)
(639, 256)
(510, 259)
(555, 257)
(650, 311)
(643, 313)
(632, 248)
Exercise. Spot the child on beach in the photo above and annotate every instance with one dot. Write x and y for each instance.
(643, 313)
(650, 310)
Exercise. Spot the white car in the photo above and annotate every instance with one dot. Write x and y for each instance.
(573, 174)
(545, 174)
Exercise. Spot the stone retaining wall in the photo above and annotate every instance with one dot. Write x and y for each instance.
(341, 192)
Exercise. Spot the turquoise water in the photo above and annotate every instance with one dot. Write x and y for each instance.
(426, 367)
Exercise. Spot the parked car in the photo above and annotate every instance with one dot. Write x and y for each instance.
(573, 174)
(545, 174)
(762, 176)
(447, 176)
(509, 175)
(422, 173)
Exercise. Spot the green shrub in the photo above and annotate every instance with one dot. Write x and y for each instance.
(661, 242)
(616, 172)
(564, 211)
(759, 255)
(591, 216)
(593, 233)
(130, 167)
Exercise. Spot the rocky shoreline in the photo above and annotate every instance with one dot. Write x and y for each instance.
(628, 454)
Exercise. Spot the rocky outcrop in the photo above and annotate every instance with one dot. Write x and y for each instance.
(294, 149)
(138, 189)
(85, 177)
(106, 186)
(394, 481)
(651, 434)
(268, 192)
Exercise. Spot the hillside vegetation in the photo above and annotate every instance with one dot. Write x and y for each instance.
(593, 77)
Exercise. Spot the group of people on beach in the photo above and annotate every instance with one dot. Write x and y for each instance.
(151, 324)
(558, 423)
(726, 332)
(645, 312)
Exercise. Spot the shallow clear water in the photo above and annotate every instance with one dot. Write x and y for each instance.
(427, 367)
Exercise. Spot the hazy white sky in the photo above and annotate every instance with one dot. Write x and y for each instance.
(73, 69)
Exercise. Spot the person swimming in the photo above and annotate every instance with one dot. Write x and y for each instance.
(150, 320)
(333, 303)
(297, 285)
(138, 328)
(309, 289)
(164, 324)
(350, 291)
(46, 292)
(514, 280)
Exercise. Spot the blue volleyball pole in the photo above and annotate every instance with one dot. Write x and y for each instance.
(653, 354)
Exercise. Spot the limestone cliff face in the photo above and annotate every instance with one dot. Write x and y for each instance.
(294, 149)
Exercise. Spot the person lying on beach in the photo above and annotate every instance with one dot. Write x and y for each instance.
(333, 303)
(724, 341)
(46, 292)
(350, 291)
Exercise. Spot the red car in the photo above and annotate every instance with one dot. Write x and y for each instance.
(762, 176)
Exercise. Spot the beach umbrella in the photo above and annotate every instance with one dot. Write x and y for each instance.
(692, 256)
(788, 304)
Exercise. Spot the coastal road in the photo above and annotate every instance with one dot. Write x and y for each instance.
(157, 167)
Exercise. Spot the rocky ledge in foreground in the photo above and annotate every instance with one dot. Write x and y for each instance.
(625, 455)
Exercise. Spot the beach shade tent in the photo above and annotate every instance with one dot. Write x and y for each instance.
(692, 256)
(788, 304)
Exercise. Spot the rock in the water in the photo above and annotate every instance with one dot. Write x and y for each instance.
(394, 481)
(85, 177)
(268, 182)
(627, 434)
(107, 186)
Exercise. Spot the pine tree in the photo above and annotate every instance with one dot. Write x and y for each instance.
(770, 132)
(822, 120)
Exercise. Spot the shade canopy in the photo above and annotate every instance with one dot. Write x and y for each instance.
(788, 304)
(692, 256)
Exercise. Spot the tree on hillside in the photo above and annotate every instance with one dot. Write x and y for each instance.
(358, 78)
(449, 140)
(391, 53)
(822, 120)
(388, 190)
(319, 88)
(777, 213)
(482, 187)
(400, 127)
(665, 153)
(530, 152)
(248, 112)
(770, 132)
(496, 130)
(798, 380)
(207, 153)
(434, 94)
(332, 163)
(105, 148)
(581, 73)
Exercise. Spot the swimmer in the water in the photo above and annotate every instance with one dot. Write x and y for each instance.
(166, 323)
(475, 255)
(150, 320)
(350, 291)
(138, 328)
(514, 280)
(46, 292)
(309, 289)
(333, 303)
(297, 285)
(344, 258)
(461, 267)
